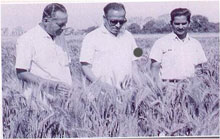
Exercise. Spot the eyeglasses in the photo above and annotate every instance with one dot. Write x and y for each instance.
(180, 23)
(115, 22)
(61, 25)
(54, 21)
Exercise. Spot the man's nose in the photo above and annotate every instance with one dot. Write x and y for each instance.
(63, 27)
(118, 25)
(180, 26)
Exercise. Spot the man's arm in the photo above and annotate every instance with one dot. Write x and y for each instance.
(201, 59)
(30, 78)
(135, 72)
(155, 69)
(87, 70)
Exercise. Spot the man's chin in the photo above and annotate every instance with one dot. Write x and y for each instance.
(58, 34)
(180, 33)
(115, 32)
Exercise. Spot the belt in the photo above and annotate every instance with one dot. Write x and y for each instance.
(171, 80)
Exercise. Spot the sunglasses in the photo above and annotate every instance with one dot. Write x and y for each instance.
(114, 22)
(61, 25)
(180, 23)
(54, 21)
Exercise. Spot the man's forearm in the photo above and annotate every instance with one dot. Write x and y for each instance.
(88, 72)
(30, 78)
(155, 74)
(135, 72)
(155, 69)
(87, 69)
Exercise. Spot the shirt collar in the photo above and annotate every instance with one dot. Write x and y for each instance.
(175, 37)
(43, 33)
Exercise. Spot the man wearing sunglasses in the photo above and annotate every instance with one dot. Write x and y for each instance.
(107, 52)
(40, 61)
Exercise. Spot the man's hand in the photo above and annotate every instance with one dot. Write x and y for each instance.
(198, 69)
(58, 87)
(62, 87)
(44, 84)
(105, 86)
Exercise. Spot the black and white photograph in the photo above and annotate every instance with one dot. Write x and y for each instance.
(110, 69)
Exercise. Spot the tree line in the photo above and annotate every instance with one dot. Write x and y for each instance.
(199, 23)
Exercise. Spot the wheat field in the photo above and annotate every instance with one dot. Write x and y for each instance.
(189, 109)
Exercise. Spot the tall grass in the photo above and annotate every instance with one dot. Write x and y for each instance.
(189, 108)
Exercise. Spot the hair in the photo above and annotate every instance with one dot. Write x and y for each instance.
(113, 6)
(51, 9)
(180, 12)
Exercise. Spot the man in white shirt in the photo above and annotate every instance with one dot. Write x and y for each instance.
(176, 56)
(107, 52)
(41, 61)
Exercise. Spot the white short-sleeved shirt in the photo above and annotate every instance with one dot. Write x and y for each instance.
(110, 56)
(178, 58)
(38, 53)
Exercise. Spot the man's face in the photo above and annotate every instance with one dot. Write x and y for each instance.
(56, 25)
(114, 20)
(180, 26)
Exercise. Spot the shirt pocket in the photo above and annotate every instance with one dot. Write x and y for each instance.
(168, 55)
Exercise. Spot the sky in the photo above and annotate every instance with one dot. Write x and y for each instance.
(83, 15)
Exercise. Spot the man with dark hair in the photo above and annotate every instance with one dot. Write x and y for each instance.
(179, 12)
(114, 6)
(51, 9)
(107, 52)
(177, 56)
(39, 59)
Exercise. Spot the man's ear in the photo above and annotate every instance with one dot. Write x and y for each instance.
(170, 24)
(190, 23)
(45, 20)
(104, 19)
